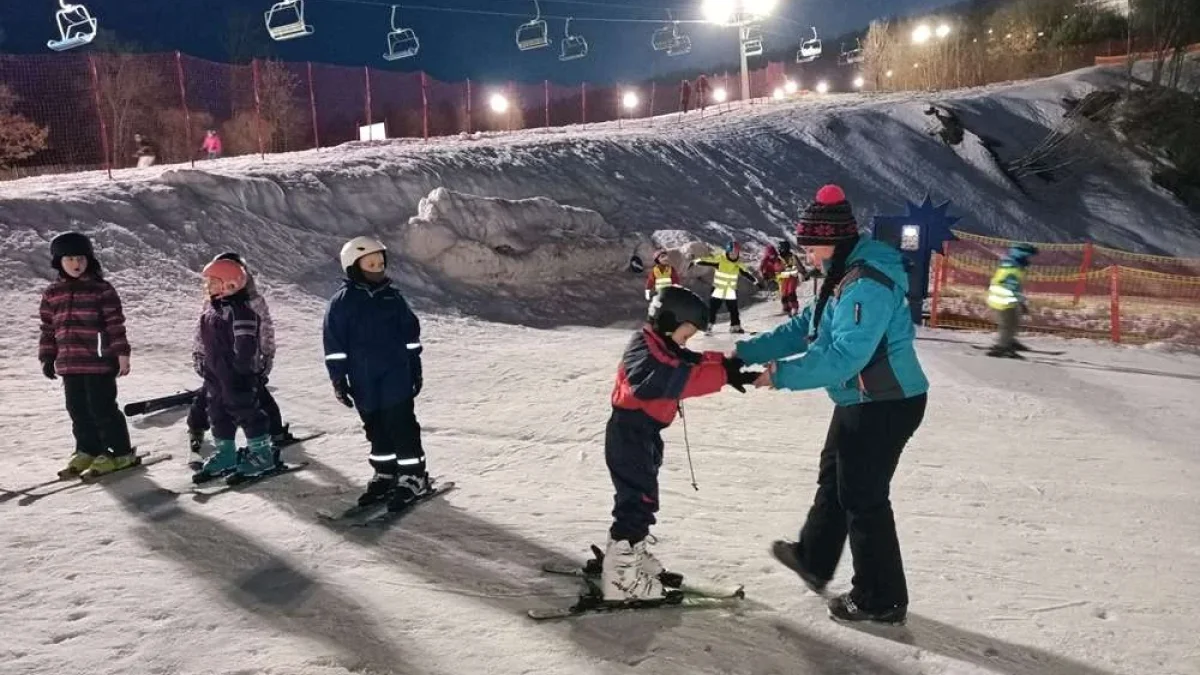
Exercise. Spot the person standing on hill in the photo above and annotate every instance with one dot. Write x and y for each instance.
(728, 268)
(147, 152)
(661, 275)
(212, 146)
(855, 341)
(1008, 302)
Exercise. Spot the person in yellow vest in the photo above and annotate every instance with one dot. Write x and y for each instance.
(661, 275)
(1007, 300)
(728, 267)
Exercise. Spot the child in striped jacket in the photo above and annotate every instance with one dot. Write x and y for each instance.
(83, 341)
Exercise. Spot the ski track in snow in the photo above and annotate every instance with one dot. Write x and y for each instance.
(1048, 515)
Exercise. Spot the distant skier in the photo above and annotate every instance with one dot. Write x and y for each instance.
(147, 151)
(373, 354)
(197, 419)
(855, 341)
(685, 95)
(231, 362)
(1005, 297)
(656, 372)
(792, 270)
(728, 269)
(212, 146)
(661, 275)
(769, 268)
(83, 341)
(702, 92)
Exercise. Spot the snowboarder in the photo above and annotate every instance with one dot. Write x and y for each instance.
(373, 354)
(725, 283)
(230, 363)
(1007, 300)
(789, 278)
(656, 372)
(212, 146)
(661, 275)
(197, 419)
(147, 152)
(83, 341)
(856, 341)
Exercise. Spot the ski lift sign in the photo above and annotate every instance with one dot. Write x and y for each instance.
(917, 234)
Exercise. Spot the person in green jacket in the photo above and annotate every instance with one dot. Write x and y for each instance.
(856, 341)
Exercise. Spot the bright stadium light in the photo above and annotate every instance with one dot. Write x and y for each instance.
(822, 87)
(760, 7)
(921, 34)
(719, 11)
(498, 103)
(778, 94)
(719, 94)
(943, 31)
(889, 73)
(859, 82)
(630, 100)
(791, 87)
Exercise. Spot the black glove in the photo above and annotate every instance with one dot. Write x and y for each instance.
(48, 369)
(342, 392)
(418, 381)
(733, 373)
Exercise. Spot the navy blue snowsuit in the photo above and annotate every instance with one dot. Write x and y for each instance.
(373, 342)
(229, 337)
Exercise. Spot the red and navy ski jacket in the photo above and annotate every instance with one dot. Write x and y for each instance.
(655, 374)
(83, 326)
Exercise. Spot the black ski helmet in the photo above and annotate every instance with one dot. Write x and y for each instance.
(675, 306)
(71, 243)
(785, 247)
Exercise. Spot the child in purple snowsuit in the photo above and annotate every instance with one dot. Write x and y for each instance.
(229, 340)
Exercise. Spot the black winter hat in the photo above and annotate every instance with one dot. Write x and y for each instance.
(70, 243)
(828, 220)
(675, 306)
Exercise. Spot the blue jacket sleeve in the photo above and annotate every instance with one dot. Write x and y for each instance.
(789, 339)
(337, 360)
(862, 317)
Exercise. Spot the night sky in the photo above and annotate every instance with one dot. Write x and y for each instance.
(454, 45)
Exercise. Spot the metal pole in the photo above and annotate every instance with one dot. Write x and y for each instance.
(187, 115)
(744, 33)
(312, 104)
(262, 153)
(424, 106)
(100, 116)
(468, 94)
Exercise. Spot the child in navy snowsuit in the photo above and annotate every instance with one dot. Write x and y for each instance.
(373, 354)
(229, 340)
(656, 372)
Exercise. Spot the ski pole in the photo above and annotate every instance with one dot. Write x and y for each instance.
(688, 448)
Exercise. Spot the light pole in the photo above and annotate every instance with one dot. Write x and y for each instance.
(745, 14)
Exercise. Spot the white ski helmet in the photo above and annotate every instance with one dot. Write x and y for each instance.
(357, 248)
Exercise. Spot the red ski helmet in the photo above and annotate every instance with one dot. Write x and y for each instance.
(223, 278)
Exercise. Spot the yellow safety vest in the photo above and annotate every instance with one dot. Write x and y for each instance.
(725, 276)
(1000, 297)
(789, 268)
(662, 277)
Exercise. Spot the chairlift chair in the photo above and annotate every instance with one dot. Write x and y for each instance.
(810, 50)
(534, 34)
(278, 25)
(573, 46)
(681, 46)
(76, 27)
(665, 37)
(753, 46)
(402, 42)
(849, 57)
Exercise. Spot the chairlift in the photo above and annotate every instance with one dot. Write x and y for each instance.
(573, 46)
(402, 42)
(681, 46)
(534, 34)
(76, 27)
(665, 37)
(280, 27)
(752, 45)
(810, 50)
(852, 56)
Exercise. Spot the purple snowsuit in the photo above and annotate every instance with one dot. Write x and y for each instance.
(229, 336)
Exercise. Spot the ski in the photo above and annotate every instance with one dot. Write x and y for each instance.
(237, 481)
(354, 511)
(390, 517)
(1027, 350)
(145, 459)
(292, 440)
(161, 403)
(590, 573)
(594, 603)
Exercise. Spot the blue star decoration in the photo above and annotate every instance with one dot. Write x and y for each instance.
(917, 233)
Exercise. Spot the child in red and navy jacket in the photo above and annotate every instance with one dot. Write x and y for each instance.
(656, 372)
(83, 341)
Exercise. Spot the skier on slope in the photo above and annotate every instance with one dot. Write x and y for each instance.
(1007, 300)
(230, 361)
(725, 282)
(83, 341)
(769, 267)
(661, 275)
(197, 419)
(656, 372)
(789, 278)
(373, 354)
(856, 341)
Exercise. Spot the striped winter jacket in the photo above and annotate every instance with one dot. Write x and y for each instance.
(83, 326)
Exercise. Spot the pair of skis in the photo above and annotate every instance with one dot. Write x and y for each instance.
(380, 513)
(680, 595)
(34, 493)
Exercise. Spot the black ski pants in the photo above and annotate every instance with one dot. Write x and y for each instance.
(714, 306)
(861, 452)
(197, 419)
(633, 450)
(98, 424)
(395, 437)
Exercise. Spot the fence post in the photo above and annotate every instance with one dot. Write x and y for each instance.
(1083, 269)
(652, 87)
(512, 106)
(312, 104)
(939, 262)
(424, 106)
(367, 81)
(187, 115)
(1114, 291)
(470, 128)
(546, 92)
(262, 153)
(100, 115)
(583, 97)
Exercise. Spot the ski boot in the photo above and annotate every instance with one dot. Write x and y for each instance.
(408, 489)
(736, 330)
(78, 463)
(379, 489)
(284, 438)
(842, 608)
(106, 464)
(624, 578)
(1005, 353)
(220, 463)
(195, 444)
(257, 458)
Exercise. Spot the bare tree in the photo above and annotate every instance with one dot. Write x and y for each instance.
(19, 138)
(1168, 26)
(278, 105)
(131, 91)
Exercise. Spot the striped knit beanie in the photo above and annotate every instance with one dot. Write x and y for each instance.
(827, 221)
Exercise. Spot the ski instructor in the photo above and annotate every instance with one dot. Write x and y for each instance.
(856, 341)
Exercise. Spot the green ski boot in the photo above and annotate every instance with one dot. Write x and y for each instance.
(106, 464)
(258, 457)
(220, 463)
(78, 463)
